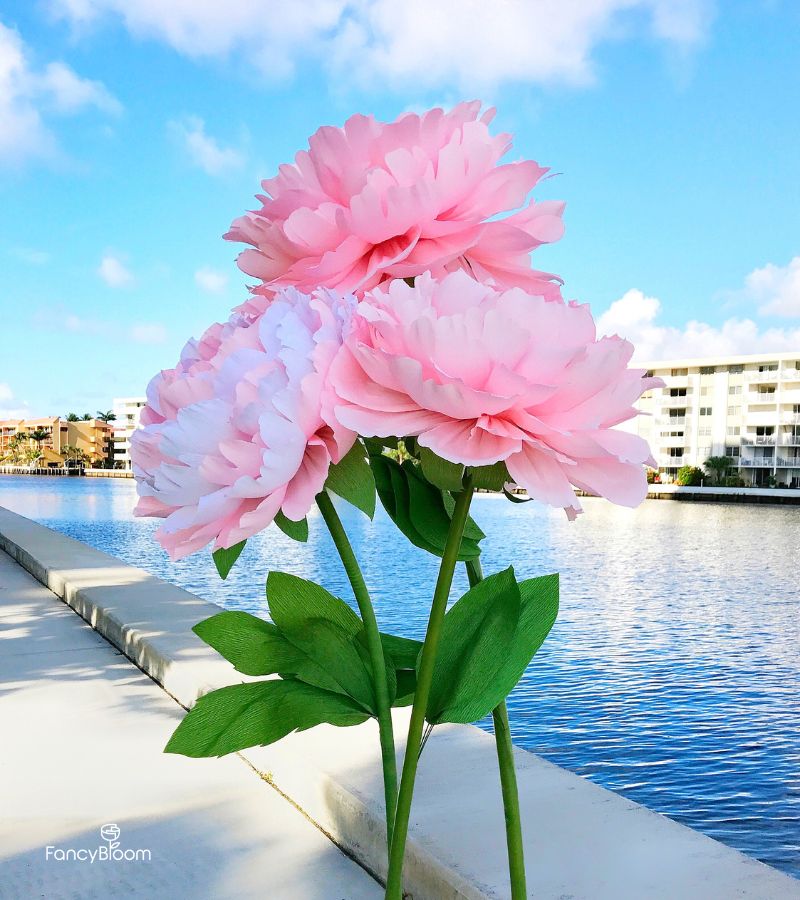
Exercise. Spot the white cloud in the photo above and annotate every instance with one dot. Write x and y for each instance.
(204, 151)
(471, 44)
(31, 255)
(148, 333)
(114, 272)
(210, 280)
(27, 93)
(10, 406)
(776, 288)
(60, 319)
(637, 317)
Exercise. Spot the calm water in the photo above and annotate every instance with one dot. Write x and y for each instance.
(672, 674)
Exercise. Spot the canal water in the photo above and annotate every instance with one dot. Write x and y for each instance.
(672, 675)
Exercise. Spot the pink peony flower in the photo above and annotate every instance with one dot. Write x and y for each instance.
(242, 428)
(481, 375)
(374, 201)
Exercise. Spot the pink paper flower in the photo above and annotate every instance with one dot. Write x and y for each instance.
(480, 375)
(374, 201)
(241, 428)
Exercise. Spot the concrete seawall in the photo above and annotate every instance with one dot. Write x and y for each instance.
(773, 496)
(581, 841)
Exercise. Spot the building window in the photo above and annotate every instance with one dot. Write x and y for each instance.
(736, 370)
(734, 410)
(705, 391)
(704, 431)
(675, 452)
(733, 450)
(707, 370)
(766, 390)
(648, 373)
(735, 389)
(705, 410)
(677, 392)
(676, 372)
(768, 367)
(734, 431)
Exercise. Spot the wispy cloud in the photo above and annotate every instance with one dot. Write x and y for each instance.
(469, 44)
(204, 151)
(114, 272)
(210, 280)
(776, 288)
(28, 95)
(12, 407)
(30, 255)
(60, 319)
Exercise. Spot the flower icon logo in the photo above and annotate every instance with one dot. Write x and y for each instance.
(110, 833)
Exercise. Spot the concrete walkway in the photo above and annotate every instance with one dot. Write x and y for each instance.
(81, 737)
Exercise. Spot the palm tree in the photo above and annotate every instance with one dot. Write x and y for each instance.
(108, 416)
(73, 417)
(73, 454)
(86, 417)
(39, 435)
(718, 466)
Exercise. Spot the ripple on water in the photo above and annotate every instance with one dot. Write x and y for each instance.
(672, 674)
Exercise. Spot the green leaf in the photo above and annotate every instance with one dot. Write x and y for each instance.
(333, 651)
(514, 498)
(470, 700)
(225, 557)
(294, 601)
(403, 651)
(471, 529)
(255, 647)
(352, 479)
(297, 531)
(476, 633)
(406, 686)
(419, 509)
(252, 715)
(439, 472)
(490, 478)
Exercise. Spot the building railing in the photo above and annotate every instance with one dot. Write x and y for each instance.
(763, 462)
(789, 462)
(774, 375)
(768, 440)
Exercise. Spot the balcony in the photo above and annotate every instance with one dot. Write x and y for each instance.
(790, 440)
(757, 462)
(672, 422)
(788, 462)
(767, 440)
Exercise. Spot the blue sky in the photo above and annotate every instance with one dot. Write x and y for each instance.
(132, 133)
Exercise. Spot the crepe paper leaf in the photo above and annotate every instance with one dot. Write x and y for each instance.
(403, 651)
(294, 601)
(471, 529)
(490, 478)
(439, 472)
(252, 715)
(255, 647)
(297, 531)
(537, 613)
(406, 686)
(420, 510)
(476, 634)
(225, 557)
(514, 498)
(352, 480)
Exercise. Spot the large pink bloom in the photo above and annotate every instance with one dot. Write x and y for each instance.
(241, 428)
(481, 375)
(374, 201)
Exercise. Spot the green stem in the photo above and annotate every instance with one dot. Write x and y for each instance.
(375, 649)
(394, 880)
(508, 779)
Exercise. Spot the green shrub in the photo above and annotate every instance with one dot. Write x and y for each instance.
(689, 476)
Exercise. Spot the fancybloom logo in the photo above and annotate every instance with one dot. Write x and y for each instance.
(108, 852)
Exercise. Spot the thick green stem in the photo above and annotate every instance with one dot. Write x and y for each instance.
(375, 649)
(394, 881)
(508, 779)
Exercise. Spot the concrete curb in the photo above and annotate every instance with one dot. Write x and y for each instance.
(581, 840)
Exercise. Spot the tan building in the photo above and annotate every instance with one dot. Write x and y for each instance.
(127, 410)
(53, 435)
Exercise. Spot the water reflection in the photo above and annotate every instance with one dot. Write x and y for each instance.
(672, 674)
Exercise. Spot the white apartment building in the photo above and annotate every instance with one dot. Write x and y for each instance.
(744, 407)
(127, 411)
